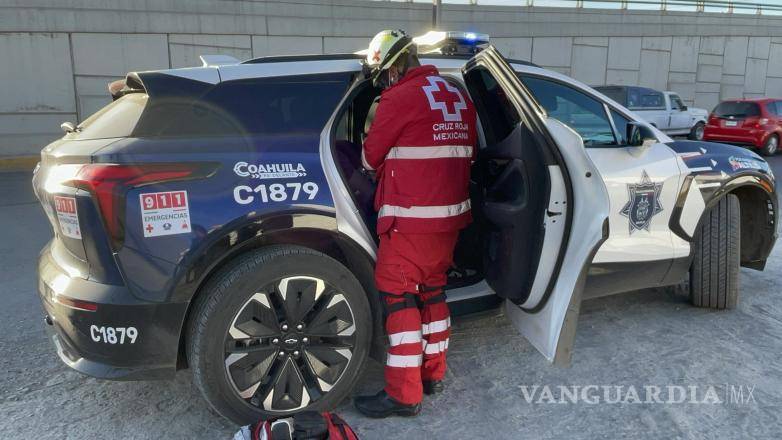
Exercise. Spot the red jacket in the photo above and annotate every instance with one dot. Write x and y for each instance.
(422, 142)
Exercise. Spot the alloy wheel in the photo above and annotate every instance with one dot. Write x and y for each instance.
(289, 344)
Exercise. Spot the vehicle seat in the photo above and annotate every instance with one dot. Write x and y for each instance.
(361, 185)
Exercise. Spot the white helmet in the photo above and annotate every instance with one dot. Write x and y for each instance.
(385, 48)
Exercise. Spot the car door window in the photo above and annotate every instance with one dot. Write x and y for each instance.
(582, 113)
(501, 117)
(676, 103)
(620, 122)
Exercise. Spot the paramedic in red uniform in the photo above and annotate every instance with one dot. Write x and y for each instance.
(421, 144)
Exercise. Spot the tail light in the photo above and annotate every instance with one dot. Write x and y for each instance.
(109, 183)
(76, 303)
(762, 121)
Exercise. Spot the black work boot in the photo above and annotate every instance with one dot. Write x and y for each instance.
(433, 387)
(381, 405)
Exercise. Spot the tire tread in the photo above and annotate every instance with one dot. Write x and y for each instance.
(715, 268)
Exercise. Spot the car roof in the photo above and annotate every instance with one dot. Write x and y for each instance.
(348, 56)
(294, 65)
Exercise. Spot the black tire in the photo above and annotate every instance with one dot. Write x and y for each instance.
(696, 132)
(714, 274)
(230, 317)
(771, 146)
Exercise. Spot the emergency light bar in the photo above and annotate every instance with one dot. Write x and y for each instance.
(451, 42)
(447, 43)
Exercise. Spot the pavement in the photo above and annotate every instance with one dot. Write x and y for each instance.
(718, 374)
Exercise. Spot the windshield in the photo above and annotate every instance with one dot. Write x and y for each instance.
(736, 109)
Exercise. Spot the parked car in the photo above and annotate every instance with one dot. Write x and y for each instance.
(218, 218)
(753, 122)
(664, 110)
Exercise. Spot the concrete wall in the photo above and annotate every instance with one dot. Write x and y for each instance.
(56, 56)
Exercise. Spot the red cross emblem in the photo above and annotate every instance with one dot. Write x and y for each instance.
(445, 97)
(150, 228)
(376, 56)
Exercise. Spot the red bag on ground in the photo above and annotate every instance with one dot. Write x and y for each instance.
(308, 425)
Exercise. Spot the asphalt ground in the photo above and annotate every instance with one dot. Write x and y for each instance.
(726, 365)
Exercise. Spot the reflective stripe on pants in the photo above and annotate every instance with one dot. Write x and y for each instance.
(418, 339)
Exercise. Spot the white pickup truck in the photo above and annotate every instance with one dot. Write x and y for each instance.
(664, 110)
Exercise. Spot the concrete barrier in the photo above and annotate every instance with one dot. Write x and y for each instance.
(56, 56)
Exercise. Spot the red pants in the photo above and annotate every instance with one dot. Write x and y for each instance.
(418, 338)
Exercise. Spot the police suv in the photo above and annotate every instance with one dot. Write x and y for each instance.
(218, 218)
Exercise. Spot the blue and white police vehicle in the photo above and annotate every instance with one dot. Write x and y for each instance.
(218, 218)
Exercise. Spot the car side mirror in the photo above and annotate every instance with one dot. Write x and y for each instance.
(640, 135)
(684, 108)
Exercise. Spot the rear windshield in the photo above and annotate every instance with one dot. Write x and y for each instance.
(645, 99)
(117, 119)
(259, 106)
(736, 109)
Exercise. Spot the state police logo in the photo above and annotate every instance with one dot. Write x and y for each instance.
(643, 203)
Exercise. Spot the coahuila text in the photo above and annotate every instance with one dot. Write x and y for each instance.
(270, 170)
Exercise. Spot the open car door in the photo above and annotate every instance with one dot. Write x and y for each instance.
(545, 207)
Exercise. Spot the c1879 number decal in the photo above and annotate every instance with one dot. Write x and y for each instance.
(276, 192)
(113, 335)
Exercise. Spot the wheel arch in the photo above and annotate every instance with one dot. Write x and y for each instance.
(759, 213)
(758, 224)
(758, 219)
(315, 231)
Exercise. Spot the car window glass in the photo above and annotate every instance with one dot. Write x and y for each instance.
(736, 109)
(117, 119)
(620, 122)
(633, 98)
(775, 108)
(498, 115)
(652, 100)
(676, 102)
(575, 109)
(618, 94)
(266, 106)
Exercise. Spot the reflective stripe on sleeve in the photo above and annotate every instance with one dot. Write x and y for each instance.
(436, 326)
(395, 339)
(425, 211)
(403, 361)
(439, 152)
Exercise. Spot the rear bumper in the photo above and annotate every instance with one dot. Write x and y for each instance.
(749, 137)
(83, 339)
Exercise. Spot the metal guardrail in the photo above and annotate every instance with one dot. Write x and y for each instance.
(723, 6)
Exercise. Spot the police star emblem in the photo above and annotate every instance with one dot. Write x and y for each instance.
(643, 203)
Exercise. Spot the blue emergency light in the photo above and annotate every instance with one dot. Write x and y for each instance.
(451, 42)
